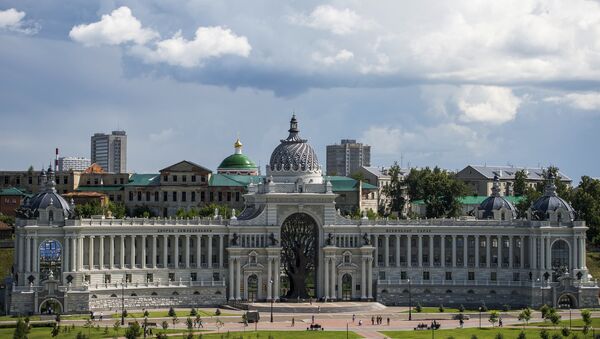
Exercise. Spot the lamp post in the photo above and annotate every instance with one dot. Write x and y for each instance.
(480, 309)
(122, 302)
(569, 318)
(409, 302)
(433, 329)
(271, 287)
(541, 289)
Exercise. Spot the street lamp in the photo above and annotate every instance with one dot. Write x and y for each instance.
(271, 287)
(480, 310)
(409, 302)
(122, 302)
(569, 318)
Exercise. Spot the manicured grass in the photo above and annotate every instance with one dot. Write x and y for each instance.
(593, 263)
(10, 317)
(576, 322)
(446, 310)
(466, 333)
(180, 314)
(44, 332)
(282, 334)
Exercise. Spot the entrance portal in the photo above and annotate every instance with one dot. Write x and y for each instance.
(252, 287)
(50, 306)
(346, 287)
(566, 301)
(299, 238)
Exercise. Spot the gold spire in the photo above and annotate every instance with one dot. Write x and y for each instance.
(238, 143)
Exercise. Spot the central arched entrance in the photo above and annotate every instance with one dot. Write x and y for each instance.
(560, 259)
(566, 301)
(346, 287)
(50, 259)
(252, 287)
(50, 306)
(299, 243)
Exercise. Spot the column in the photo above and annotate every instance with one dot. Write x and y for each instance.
(386, 247)
(454, 250)
(409, 251)
(397, 250)
(582, 251)
(91, 252)
(101, 257)
(510, 251)
(548, 253)
(326, 277)
(465, 250)
(210, 251)
(79, 252)
(522, 252)
(143, 254)
(420, 251)
(176, 250)
(187, 251)
(111, 252)
(67, 247)
(333, 281)
(222, 250)
(199, 253)
(122, 253)
(154, 250)
(232, 278)
(533, 258)
(363, 279)
(376, 263)
(477, 251)
(499, 250)
(27, 254)
(19, 252)
(269, 278)
(430, 250)
(165, 251)
(74, 250)
(132, 254)
(277, 276)
(543, 252)
(488, 251)
(443, 250)
(369, 281)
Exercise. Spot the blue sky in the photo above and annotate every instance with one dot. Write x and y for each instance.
(448, 84)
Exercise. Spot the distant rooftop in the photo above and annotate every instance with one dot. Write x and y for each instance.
(508, 172)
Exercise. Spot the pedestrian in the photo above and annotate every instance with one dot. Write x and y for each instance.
(388, 321)
(313, 319)
(500, 322)
(360, 322)
(101, 315)
(293, 321)
(353, 317)
(372, 320)
(319, 309)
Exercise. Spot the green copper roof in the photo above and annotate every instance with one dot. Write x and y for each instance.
(144, 179)
(12, 191)
(105, 188)
(219, 179)
(237, 161)
(346, 184)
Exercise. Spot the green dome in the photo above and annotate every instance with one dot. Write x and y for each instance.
(237, 161)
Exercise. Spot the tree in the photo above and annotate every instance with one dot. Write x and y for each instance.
(438, 189)
(117, 326)
(172, 312)
(88, 209)
(553, 316)
(586, 316)
(7, 219)
(586, 201)
(21, 330)
(117, 209)
(522, 335)
(494, 316)
(299, 236)
(565, 331)
(146, 314)
(544, 334)
(143, 211)
(189, 323)
(193, 311)
(395, 190)
(520, 183)
(441, 308)
(525, 315)
(165, 325)
(55, 330)
(418, 308)
(461, 308)
(133, 331)
(544, 310)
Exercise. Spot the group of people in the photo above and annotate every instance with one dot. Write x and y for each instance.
(379, 320)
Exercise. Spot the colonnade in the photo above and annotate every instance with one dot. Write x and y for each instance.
(237, 277)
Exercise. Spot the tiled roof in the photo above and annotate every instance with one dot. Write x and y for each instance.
(12, 191)
(233, 180)
(508, 172)
(144, 179)
(346, 184)
(104, 188)
(476, 199)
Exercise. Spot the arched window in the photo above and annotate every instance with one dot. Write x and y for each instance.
(471, 292)
(175, 293)
(448, 291)
(94, 296)
(113, 295)
(133, 295)
(196, 292)
(50, 215)
(154, 293)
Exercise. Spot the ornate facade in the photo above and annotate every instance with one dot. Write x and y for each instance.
(77, 265)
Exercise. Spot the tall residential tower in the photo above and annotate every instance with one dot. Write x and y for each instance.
(110, 151)
(348, 157)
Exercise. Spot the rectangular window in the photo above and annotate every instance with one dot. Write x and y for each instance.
(111, 197)
(237, 196)
(471, 276)
(128, 277)
(193, 196)
(448, 275)
(18, 180)
(147, 196)
(29, 180)
(121, 181)
(139, 196)
(165, 178)
(66, 180)
(212, 196)
(174, 196)
(216, 276)
(220, 196)
(193, 178)
(150, 277)
(493, 276)
(183, 196)
(130, 196)
(107, 278)
(426, 275)
(171, 276)
(155, 196)
(95, 181)
(228, 196)
(381, 275)
(118, 197)
(193, 276)
(403, 275)
(174, 178)
(202, 196)
(203, 179)
(184, 178)
(165, 196)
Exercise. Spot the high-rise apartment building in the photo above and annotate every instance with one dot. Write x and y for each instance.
(73, 163)
(110, 151)
(348, 157)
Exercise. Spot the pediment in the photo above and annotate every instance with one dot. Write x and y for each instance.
(186, 166)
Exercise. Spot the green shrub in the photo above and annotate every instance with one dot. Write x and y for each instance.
(441, 308)
(505, 308)
(565, 331)
(172, 312)
(499, 336)
(522, 335)
(461, 308)
(544, 334)
(418, 308)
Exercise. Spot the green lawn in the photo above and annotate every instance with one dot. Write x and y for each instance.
(10, 317)
(593, 263)
(446, 310)
(6, 261)
(484, 333)
(283, 334)
(576, 322)
(165, 314)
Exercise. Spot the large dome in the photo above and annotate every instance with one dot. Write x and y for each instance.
(495, 202)
(294, 154)
(237, 160)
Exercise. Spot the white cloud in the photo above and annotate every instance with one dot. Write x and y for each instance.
(442, 138)
(208, 42)
(588, 101)
(336, 21)
(489, 104)
(342, 56)
(12, 20)
(162, 136)
(116, 28)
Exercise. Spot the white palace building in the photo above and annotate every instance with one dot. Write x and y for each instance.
(71, 265)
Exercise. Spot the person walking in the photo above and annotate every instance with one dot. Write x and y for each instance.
(353, 317)
(372, 320)
(293, 321)
(388, 321)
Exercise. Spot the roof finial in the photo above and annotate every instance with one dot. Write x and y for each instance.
(496, 186)
(550, 189)
(238, 146)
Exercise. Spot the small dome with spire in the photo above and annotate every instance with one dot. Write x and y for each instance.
(550, 206)
(238, 163)
(496, 206)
